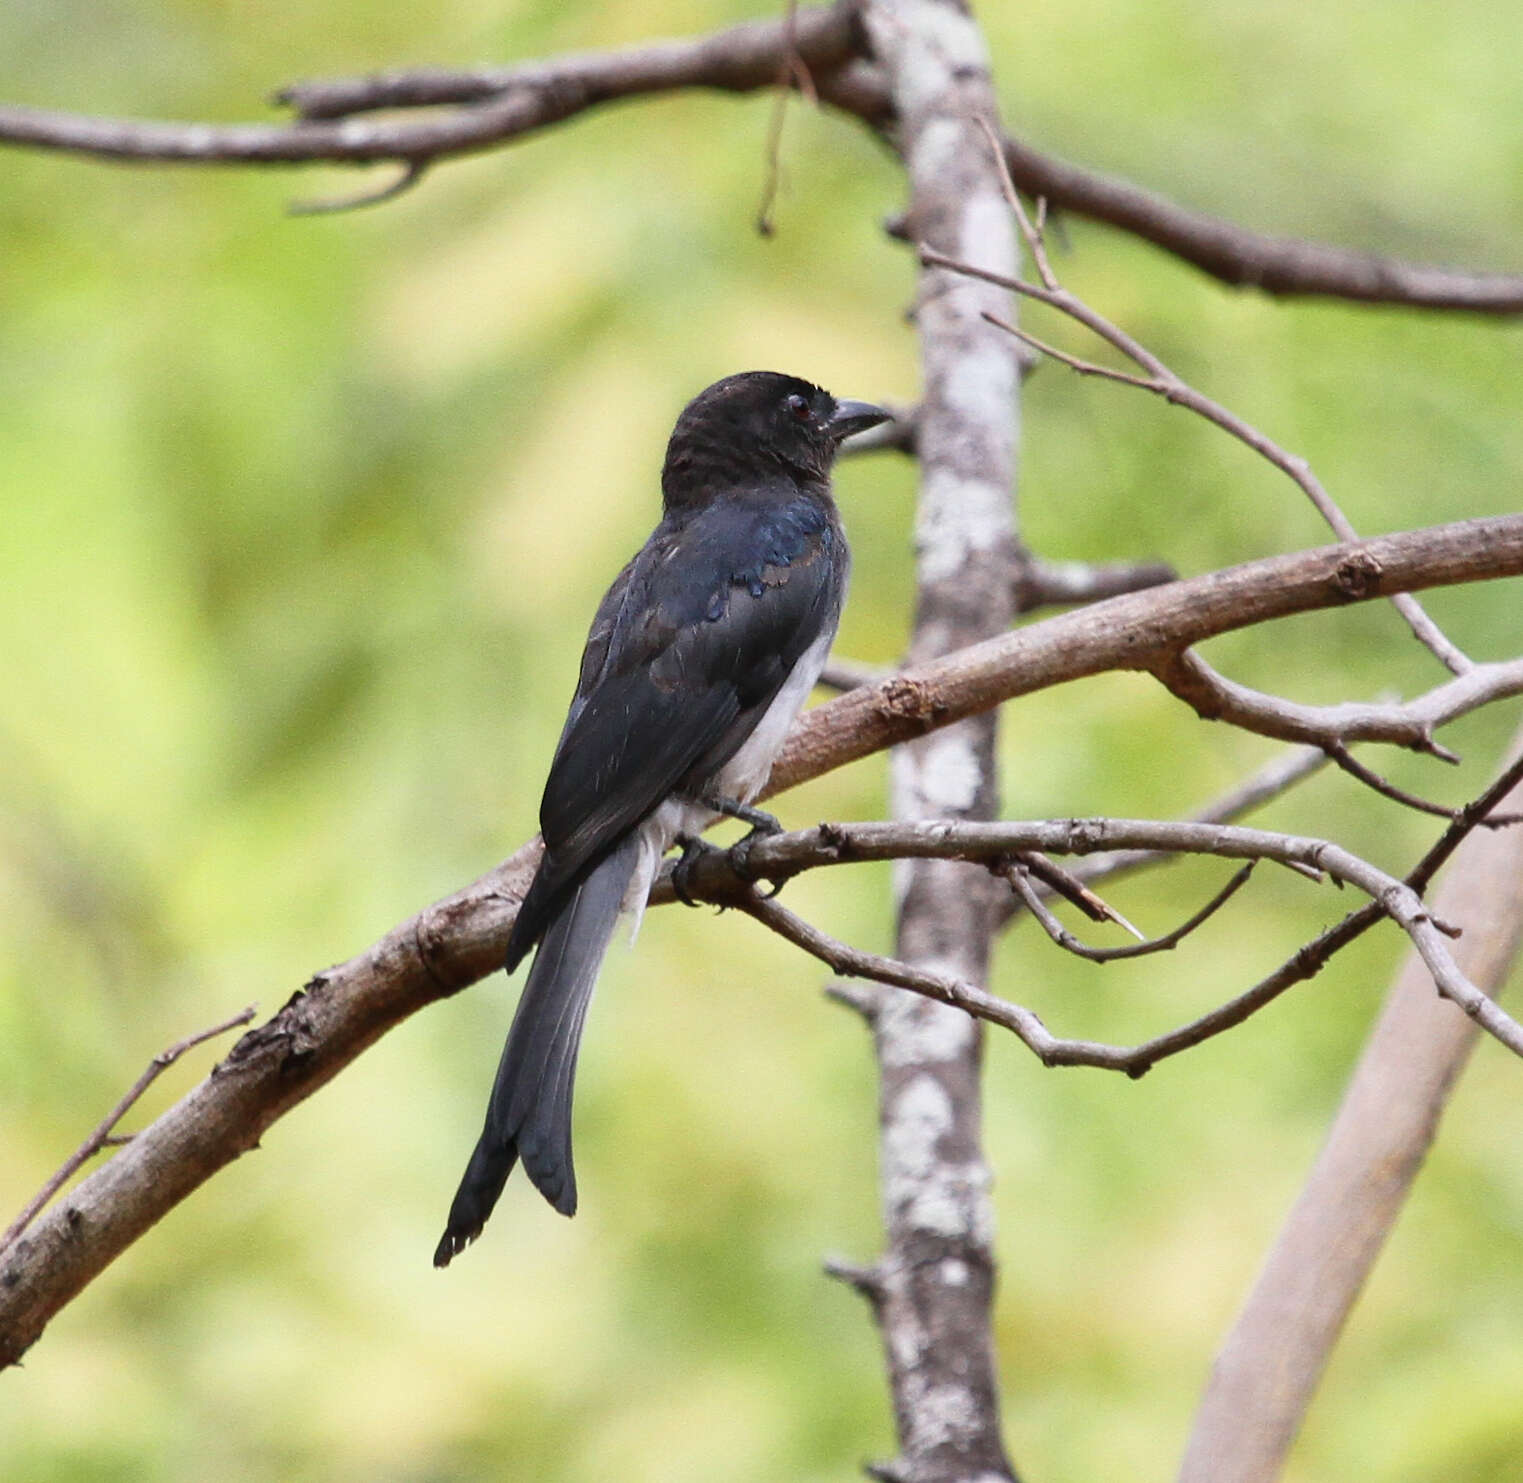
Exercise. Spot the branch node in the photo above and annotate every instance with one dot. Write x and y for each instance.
(411, 173)
(855, 996)
(869, 1281)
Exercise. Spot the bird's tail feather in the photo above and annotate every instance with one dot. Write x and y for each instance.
(529, 1115)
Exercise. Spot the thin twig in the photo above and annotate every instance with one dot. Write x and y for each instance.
(411, 173)
(780, 856)
(102, 1135)
(1346, 760)
(1020, 878)
(792, 66)
(1268, 783)
(1063, 883)
(1166, 383)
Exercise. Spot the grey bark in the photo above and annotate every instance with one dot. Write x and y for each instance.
(935, 1282)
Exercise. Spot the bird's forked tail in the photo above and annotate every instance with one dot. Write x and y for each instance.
(529, 1115)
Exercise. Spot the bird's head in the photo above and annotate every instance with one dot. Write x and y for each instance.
(756, 425)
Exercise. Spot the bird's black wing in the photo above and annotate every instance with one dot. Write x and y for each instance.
(690, 646)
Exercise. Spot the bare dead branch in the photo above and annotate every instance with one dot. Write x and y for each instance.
(1271, 1361)
(1350, 764)
(780, 856)
(102, 1135)
(1282, 266)
(739, 59)
(495, 105)
(1409, 724)
(1055, 584)
(1020, 878)
(1130, 632)
(277, 1065)
(1268, 783)
(1162, 381)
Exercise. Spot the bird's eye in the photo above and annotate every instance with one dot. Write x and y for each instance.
(798, 407)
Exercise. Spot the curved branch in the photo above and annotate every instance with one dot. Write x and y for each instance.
(1409, 723)
(461, 939)
(1399, 900)
(1248, 259)
(494, 104)
(1130, 632)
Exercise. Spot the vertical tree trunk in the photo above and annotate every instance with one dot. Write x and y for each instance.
(934, 1287)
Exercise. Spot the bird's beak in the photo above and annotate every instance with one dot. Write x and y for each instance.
(856, 417)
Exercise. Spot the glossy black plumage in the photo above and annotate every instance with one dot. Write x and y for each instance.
(703, 649)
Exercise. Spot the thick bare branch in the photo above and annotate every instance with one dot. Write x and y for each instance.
(1130, 632)
(461, 939)
(496, 104)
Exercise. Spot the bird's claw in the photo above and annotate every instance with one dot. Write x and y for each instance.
(739, 853)
(693, 849)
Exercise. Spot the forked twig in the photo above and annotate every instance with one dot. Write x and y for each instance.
(1020, 879)
(102, 1136)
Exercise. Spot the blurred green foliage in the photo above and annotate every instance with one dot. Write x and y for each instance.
(302, 522)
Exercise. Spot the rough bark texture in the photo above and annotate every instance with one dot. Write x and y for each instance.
(936, 1279)
(1272, 1361)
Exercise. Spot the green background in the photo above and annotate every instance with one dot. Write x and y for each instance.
(301, 521)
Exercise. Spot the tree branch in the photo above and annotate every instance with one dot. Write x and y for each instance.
(493, 104)
(1267, 783)
(781, 856)
(1130, 632)
(1409, 723)
(1162, 381)
(103, 1135)
(1020, 879)
(1282, 266)
(1272, 1360)
(461, 939)
(497, 104)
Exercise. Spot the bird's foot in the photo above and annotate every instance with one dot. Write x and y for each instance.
(762, 824)
(693, 850)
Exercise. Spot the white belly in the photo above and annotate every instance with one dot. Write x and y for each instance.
(741, 778)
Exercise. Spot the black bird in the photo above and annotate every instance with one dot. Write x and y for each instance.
(699, 658)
